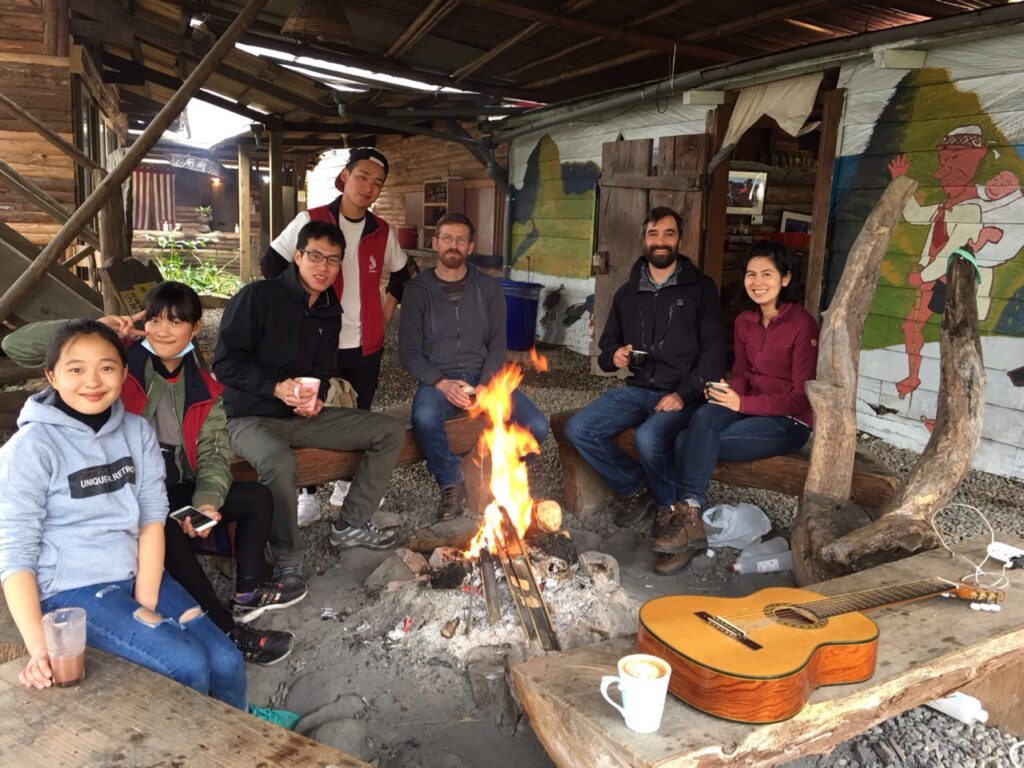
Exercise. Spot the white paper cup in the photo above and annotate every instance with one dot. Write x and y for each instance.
(306, 383)
(643, 685)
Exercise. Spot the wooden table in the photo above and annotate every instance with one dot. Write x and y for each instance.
(122, 714)
(927, 649)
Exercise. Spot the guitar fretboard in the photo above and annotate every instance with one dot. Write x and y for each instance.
(875, 598)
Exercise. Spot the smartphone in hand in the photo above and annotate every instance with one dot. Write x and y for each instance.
(200, 521)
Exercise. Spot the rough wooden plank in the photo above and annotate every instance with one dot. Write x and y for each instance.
(926, 649)
(585, 491)
(318, 465)
(831, 117)
(122, 714)
(1003, 698)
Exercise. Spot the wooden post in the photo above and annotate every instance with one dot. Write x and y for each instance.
(111, 185)
(274, 189)
(245, 260)
(56, 38)
(831, 114)
(717, 186)
(301, 165)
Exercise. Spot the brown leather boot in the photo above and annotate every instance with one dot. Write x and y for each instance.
(669, 565)
(682, 530)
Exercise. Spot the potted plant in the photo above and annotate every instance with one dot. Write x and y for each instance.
(205, 214)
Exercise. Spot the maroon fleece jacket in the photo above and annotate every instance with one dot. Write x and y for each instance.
(773, 364)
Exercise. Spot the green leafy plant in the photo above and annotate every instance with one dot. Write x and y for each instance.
(204, 210)
(179, 260)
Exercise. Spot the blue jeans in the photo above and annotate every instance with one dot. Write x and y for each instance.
(720, 433)
(592, 429)
(192, 652)
(431, 409)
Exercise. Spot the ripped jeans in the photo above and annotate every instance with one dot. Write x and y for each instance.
(193, 652)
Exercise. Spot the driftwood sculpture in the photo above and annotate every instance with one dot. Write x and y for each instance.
(831, 535)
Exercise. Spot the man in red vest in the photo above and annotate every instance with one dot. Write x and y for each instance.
(370, 247)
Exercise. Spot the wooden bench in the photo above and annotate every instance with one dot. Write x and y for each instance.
(585, 491)
(926, 650)
(123, 714)
(318, 465)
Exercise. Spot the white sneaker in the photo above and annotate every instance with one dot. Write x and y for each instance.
(340, 492)
(309, 509)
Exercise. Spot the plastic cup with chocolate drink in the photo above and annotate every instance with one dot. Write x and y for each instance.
(64, 633)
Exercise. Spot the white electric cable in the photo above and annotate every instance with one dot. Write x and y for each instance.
(1000, 580)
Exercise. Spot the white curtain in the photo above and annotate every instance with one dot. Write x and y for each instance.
(154, 198)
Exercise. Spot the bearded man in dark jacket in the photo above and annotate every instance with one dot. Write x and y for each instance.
(669, 310)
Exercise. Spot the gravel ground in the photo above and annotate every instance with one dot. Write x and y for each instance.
(414, 725)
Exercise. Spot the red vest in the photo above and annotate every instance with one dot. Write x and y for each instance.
(372, 246)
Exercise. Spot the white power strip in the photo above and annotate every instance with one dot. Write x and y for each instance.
(1004, 552)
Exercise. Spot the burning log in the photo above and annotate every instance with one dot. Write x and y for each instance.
(491, 599)
(428, 545)
(546, 517)
(533, 611)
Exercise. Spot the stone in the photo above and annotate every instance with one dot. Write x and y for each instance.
(344, 707)
(308, 694)
(392, 569)
(348, 736)
(417, 563)
(441, 556)
(603, 568)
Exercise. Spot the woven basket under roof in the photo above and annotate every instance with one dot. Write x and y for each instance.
(318, 20)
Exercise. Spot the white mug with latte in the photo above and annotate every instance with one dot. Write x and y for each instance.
(643, 684)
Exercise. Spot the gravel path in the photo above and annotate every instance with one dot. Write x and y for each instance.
(920, 737)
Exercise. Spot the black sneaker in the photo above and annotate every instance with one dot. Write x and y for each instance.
(288, 575)
(366, 535)
(634, 509)
(261, 646)
(268, 596)
(453, 502)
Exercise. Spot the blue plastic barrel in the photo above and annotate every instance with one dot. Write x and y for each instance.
(521, 308)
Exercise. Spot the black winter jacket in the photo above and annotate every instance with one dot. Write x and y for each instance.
(680, 325)
(269, 333)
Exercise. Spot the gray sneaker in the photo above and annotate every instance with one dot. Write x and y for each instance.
(288, 575)
(366, 535)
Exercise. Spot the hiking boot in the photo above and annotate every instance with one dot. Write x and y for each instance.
(453, 502)
(634, 509)
(681, 530)
(261, 646)
(341, 488)
(308, 508)
(288, 575)
(660, 519)
(366, 535)
(669, 565)
(268, 596)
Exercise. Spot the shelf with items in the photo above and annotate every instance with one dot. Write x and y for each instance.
(441, 196)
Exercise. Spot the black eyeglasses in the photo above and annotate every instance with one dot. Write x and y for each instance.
(316, 257)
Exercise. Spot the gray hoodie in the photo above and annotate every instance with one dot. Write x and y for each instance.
(72, 501)
(436, 340)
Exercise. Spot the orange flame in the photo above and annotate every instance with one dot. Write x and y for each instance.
(507, 444)
(539, 361)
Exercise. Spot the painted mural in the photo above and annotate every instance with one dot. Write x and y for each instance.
(968, 164)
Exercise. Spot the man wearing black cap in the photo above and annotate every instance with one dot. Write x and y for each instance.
(370, 246)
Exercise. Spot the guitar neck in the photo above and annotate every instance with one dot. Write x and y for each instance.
(876, 598)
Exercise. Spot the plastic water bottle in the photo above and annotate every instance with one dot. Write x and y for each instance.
(765, 557)
(964, 708)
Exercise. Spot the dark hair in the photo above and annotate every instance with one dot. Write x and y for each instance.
(456, 218)
(784, 262)
(72, 329)
(175, 300)
(657, 214)
(317, 230)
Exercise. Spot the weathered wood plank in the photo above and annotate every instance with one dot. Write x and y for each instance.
(926, 650)
(124, 714)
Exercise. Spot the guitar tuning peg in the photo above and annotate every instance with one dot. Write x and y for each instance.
(986, 607)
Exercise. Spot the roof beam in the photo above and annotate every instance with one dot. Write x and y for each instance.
(427, 19)
(635, 39)
(926, 8)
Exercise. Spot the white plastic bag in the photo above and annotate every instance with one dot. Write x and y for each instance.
(735, 525)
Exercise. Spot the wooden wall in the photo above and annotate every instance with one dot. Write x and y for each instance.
(34, 73)
(415, 159)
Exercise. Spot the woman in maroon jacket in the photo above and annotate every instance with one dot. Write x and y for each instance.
(764, 410)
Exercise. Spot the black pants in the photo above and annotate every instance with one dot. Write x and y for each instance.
(361, 372)
(250, 506)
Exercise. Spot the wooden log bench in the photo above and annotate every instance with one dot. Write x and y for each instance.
(585, 491)
(926, 650)
(123, 714)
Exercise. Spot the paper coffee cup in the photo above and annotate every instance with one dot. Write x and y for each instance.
(643, 685)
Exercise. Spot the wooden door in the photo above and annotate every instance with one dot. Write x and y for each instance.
(628, 191)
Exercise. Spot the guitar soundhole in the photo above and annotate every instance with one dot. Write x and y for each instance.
(793, 616)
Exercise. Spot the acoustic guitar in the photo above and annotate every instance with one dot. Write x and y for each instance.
(756, 659)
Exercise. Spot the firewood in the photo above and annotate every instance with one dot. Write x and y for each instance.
(428, 545)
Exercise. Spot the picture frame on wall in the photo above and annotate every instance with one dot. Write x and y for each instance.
(746, 192)
(795, 222)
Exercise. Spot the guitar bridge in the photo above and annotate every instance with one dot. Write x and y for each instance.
(727, 629)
